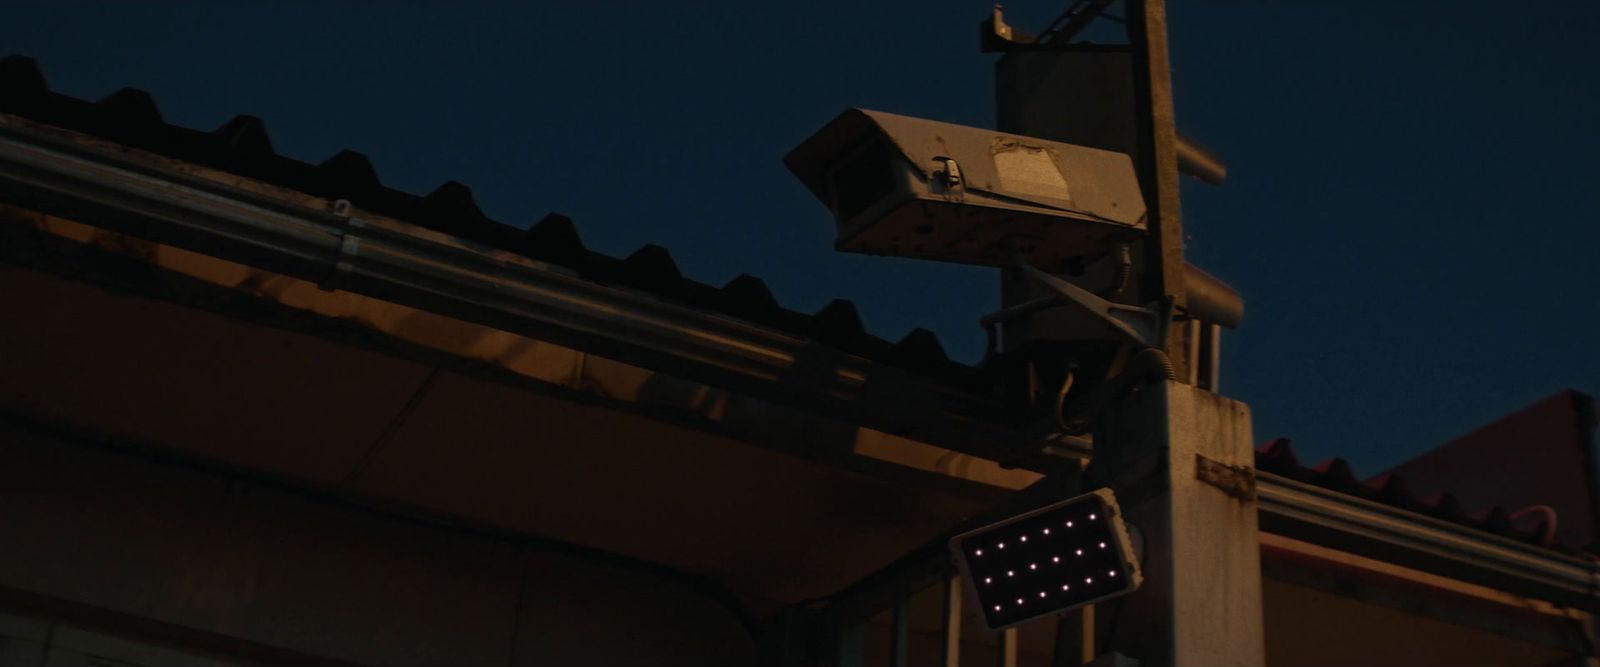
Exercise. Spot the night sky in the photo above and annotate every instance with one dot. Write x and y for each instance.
(1412, 215)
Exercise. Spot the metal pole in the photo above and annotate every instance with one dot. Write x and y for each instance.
(1086, 631)
(952, 622)
(853, 645)
(1008, 648)
(900, 639)
(1163, 250)
(1213, 352)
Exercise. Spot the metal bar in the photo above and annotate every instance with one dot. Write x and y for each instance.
(1213, 352)
(952, 622)
(1163, 261)
(1086, 647)
(408, 265)
(853, 645)
(900, 637)
(1065, 652)
(1200, 163)
(1191, 337)
(1007, 648)
(1078, 17)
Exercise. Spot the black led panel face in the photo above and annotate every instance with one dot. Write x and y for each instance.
(1047, 561)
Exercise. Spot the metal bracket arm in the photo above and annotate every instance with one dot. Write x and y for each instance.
(1142, 326)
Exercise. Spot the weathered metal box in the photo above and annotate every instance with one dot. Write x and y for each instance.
(917, 188)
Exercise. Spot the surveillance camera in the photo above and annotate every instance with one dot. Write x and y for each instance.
(918, 188)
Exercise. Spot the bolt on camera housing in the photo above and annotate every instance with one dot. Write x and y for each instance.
(910, 187)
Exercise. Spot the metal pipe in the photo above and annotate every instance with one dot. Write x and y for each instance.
(1194, 160)
(900, 633)
(952, 622)
(1213, 352)
(1007, 649)
(1211, 300)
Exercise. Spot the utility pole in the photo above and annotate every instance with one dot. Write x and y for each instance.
(1180, 458)
(1076, 200)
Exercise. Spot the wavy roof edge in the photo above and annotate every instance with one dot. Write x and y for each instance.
(1335, 474)
(242, 146)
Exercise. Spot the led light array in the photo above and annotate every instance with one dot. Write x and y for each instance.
(1049, 560)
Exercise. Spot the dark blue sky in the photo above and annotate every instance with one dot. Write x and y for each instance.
(1413, 214)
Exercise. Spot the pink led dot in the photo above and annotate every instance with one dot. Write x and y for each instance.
(1041, 593)
(1033, 566)
(1002, 545)
(1065, 587)
(1102, 545)
(1111, 573)
(1069, 524)
(988, 580)
(1080, 552)
(1024, 538)
(1055, 559)
(1019, 600)
(997, 607)
(1011, 573)
(979, 552)
(1047, 531)
(1088, 580)
(1091, 517)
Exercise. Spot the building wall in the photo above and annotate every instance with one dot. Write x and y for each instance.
(101, 542)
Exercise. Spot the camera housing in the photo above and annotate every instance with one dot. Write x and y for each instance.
(910, 187)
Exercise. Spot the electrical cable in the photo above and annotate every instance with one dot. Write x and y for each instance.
(1119, 280)
(1548, 537)
(1061, 401)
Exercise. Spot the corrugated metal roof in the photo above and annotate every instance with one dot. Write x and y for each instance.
(1278, 457)
(242, 146)
(1538, 457)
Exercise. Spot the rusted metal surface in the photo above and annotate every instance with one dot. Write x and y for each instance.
(1236, 481)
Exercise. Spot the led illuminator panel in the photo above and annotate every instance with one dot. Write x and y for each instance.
(1050, 560)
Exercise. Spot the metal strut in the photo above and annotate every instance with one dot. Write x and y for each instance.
(1144, 327)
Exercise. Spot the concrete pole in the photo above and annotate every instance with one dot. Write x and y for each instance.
(1181, 460)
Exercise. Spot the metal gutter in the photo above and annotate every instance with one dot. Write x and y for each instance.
(1340, 521)
(417, 267)
(406, 264)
